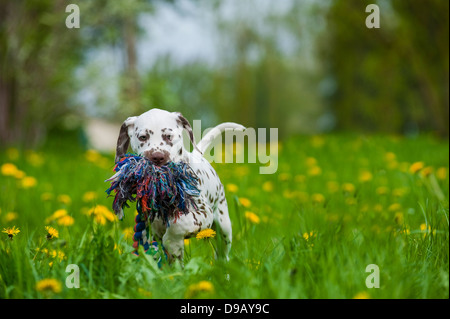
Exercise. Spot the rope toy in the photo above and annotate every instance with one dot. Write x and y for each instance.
(165, 191)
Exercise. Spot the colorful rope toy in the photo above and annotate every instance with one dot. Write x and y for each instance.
(166, 192)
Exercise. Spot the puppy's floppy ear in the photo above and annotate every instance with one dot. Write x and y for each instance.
(124, 137)
(181, 120)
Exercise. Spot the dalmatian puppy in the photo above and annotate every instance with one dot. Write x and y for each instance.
(158, 135)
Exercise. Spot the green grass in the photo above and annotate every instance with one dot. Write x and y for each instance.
(313, 237)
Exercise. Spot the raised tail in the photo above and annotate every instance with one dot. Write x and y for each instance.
(216, 131)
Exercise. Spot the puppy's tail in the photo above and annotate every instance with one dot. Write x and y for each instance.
(216, 131)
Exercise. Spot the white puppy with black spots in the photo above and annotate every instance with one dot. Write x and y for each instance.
(158, 136)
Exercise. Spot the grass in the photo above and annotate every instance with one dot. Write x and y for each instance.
(337, 204)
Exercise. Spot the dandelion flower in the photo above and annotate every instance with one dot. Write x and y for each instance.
(46, 196)
(245, 202)
(206, 233)
(28, 182)
(232, 188)
(382, 190)
(268, 186)
(11, 232)
(441, 173)
(348, 187)
(56, 215)
(318, 198)
(362, 295)
(395, 207)
(8, 169)
(101, 214)
(252, 217)
(65, 199)
(51, 232)
(10, 216)
(416, 167)
(365, 176)
(66, 221)
(49, 285)
(426, 171)
(314, 171)
(89, 196)
(128, 233)
(202, 286)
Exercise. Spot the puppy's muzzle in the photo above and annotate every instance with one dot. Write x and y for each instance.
(157, 158)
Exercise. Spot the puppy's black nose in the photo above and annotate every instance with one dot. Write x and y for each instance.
(158, 158)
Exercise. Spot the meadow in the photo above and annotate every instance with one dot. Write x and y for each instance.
(337, 204)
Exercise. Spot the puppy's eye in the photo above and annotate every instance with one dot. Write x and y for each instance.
(168, 137)
(143, 138)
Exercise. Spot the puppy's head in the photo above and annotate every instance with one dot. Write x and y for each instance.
(156, 135)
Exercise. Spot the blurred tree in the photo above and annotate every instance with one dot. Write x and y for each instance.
(38, 55)
(391, 79)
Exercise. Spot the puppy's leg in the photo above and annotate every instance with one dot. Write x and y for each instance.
(174, 245)
(222, 220)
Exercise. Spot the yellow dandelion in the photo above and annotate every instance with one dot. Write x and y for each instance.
(378, 208)
(394, 207)
(92, 156)
(19, 174)
(252, 217)
(51, 232)
(382, 190)
(300, 178)
(365, 176)
(89, 196)
(64, 198)
(28, 182)
(11, 232)
(206, 233)
(101, 214)
(284, 176)
(362, 295)
(245, 202)
(56, 215)
(8, 169)
(66, 221)
(34, 158)
(314, 171)
(441, 173)
(187, 241)
(416, 167)
(267, 186)
(10, 216)
(309, 235)
(389, 156)
(232, 188)
(46, 196)
(399, 218)
(128, 233)
(203, 286)
(318, 198)
(49, 285)
(399, 192)
(311, 161)
(348, 187)
(426, 171)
